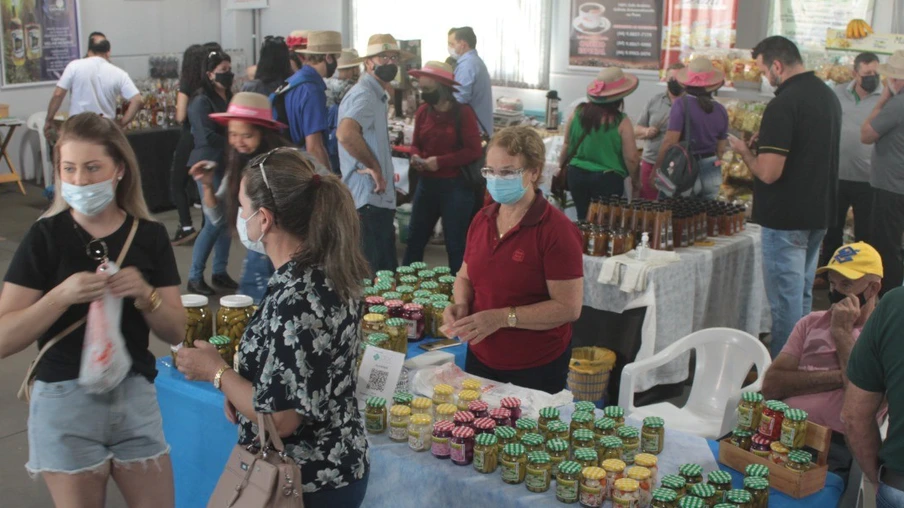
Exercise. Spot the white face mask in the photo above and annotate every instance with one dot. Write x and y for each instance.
(89, 199)
(241, 225)
(452, 53)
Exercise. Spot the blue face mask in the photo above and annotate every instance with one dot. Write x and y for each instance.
(89, 199)
(506, 191)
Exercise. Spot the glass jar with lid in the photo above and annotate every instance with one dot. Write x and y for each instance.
(539, 471)
(675, 482)
(393, 299)
(479, 408)
(582, 438)
(644, 479)
(463, 419)
(375, 415)
(397, 329)
(652, 435)
(486, 453)
(407, 281)
(418, 266)
(426, 276)
(525, 425)
(558, 453)
(759, 446)
(439, 297)
(445, 412)
(742, 438)
(691, 502)
(484, 425)
(794, 429)
(513, 463)
(427, 305)
(772, 418)
(664, 498)
(471, 384)
(692, 474)
(650, 462)
(557, 429)
(584, 405)
(707, 493)
(395, 308)
(739, 498)
(420, 429)
(440, 443)
(378, 308)
(626, 493)
(422, 405)
(224, 347)
(371, 291)
(759, 491)
(422, 294)
(615, 470)
(438, 320)
(513, 404)
(592, 491)
(441, 271)
(462, 445)
(373, 323)
(567, 478)
(429, 285)
(399, 418)
(198, 319)
(403, 398)
(612, 447)
(466, 397)
(233, 316)
(442, 394)
(407, 293)
(502, 417)
(504, 435)
(533, 442)
(386, 275)
(630, 437)
(616, 413)
(446, 284)
(586, 457)
(581, 420)
(799, 461)
(779, 453)
(756, 471)
(383, 286)
(603, 427)
(721, 481)
(750, 408)
(547, 414)
(414, 314)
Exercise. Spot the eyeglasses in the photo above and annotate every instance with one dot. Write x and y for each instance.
(505, 174)
(386, 58)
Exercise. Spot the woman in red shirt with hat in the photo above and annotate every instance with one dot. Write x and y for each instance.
(521, 285)
(446, 137)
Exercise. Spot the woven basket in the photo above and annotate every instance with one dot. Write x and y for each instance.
(588, 372)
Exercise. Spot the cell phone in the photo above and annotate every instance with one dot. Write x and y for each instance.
(440, 344)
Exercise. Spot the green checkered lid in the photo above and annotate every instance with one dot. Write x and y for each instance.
(418, 265)
(429, 285)
(738, 496)
(486, 440)
(611, 442)
(557, 426)
(756, 483)
(604, 423)
(614, 412)
(426, 274)
(777, 405)
(526, 424)
(724, 505)
(653, 422)
(397, 323)
(757, 471)
(367, 283)
(376, 402)
(405, 270)
(379, 309)
(385, 274)
(742, 432)
(570, 467)
(405, 289)
(703, 490)
(392, 295)
(690, 470)
(423, 302)
(441, 305)
(585, 454)
(691, 502)
(505, 432)
(557, 445)
(220, 340)
(422, 293)
(584, 405)
(582, 435)
(752, 397)
(628, 432)
(719, 477)
(532, 439)
(439, 298)
(800, 457)
(797, 415)
(665, 495)
(371, 291)
(375, 339)
(442, 270)
(582, 417)
(550, 413)
(514, 449)
(408, 280)
(402, 397)
(673, 481)
(447, 279)
(539, 457)
(383, 286)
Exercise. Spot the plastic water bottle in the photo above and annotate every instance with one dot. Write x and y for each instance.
(643, 250)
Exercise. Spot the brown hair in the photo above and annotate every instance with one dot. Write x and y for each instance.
(236, 162)
(523, 141)
(677, 66)
(316, 207)
(93, 128)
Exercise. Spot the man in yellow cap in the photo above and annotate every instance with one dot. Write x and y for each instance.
(809, 373)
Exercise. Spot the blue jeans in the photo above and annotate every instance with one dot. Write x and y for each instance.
(211, 239)
(789, 267)
(888, 497)
(350, 496)
(709, 180)
(256, 272)
(450, 199)
(378, 237)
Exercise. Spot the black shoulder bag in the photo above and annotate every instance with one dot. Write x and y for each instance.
(471, 171)
(680, 169)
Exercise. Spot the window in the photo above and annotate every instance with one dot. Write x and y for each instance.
(512, 35)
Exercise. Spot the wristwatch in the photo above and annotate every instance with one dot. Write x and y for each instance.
(219, 376)
(512, 318)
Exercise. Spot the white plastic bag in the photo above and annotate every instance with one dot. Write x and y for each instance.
(105, 360)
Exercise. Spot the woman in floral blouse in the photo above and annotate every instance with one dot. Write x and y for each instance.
(297, 357)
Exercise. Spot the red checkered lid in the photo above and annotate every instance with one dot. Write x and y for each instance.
(444, 426)
(500, 412)
(761, 440)
(394, 303)
(464, 416)
(478, 405)
(485, 424)
(463, 432)
(510, 402)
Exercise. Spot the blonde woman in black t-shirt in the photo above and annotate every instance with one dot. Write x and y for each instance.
(78, 441)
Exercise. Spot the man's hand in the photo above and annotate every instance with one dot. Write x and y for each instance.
(845, 313)
(49, 129)
(738, 145)
(431, 165)
(651, 133)
(379, 181)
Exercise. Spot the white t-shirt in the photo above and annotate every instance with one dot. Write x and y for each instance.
(95, 85)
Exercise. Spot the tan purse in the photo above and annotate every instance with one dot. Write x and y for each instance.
(266, 479)
(25, 389)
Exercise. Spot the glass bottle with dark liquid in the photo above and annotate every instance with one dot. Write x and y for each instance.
(17, 37)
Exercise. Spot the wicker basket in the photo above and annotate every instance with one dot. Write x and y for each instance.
(588, 372)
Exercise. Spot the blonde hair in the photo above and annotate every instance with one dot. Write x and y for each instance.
(317, 208)
(523, 141)
(93, 128)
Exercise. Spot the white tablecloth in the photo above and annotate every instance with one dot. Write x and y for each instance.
(719, 286)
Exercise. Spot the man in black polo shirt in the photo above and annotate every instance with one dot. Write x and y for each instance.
(796, 185)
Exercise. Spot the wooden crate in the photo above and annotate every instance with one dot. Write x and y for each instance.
(782, 479)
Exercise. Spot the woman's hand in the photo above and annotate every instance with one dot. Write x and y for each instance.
(479, 326)
(201, 174)
(82, 287)
(455, 312)
(229, 410)
(129, 283)
(430, 164)
(200, 363)
(651, 133)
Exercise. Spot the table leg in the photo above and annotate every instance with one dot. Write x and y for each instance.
(13, 176)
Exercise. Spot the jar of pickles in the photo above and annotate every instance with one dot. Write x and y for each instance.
(441, 446)
(399, 418)
(442, 394)
(464, 419)
(740, 498)
(441, 271)
(373, 323)
(383, 286)
(502, 417)
(586, 457)
(407, 293)
(438, 320)
(557, 429)
(445, 412)
(615, 470)
(592, 491)
(650, 462)
(375, 415)
(397, 329)
(198, 319)
(643, 477)
(422, 294)
(408, 281)
(691, 502)
(525, 425)
(676, 483)
(533, 442)
(371, 291)
(779, 453)
(721, 481)
(484, 425)
(794, 429)
(547, 414)
(772, 418)
(513, 463)
(420, 428)
(462, 446)
(612, 447)
(692, 474)
(224, 347)
(759, 491)
(378, 309)
(393, 301)
(466, 397)
(403, 398)
(513, 404)
(707, 493)
(664, 498)
(567, 479)
(581, 420)
(446, 284)
(742, 438)
(653, 435)
(414, 314)
(759, 446)
(422, 405)
(233, 316)
(418, 266)
(756, 471)
(539, 471)
(626, 493)
(799, 461)
(616, 413)
(630, 437)
(604, 427)
(582, 438)
(386, 274)
(504, 435)
(431, 286)
(750, 408)
(558, 453)
(486, 454)
(584, 405)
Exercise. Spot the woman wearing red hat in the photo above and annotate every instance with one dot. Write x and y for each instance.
(446, 138)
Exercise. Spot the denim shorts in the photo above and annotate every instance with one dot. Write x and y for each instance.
(72, 431)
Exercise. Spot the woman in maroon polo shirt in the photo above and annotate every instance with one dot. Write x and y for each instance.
(521, 285)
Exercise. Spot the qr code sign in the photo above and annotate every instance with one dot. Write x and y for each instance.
(377, 381)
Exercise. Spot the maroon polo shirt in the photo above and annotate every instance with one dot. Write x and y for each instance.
(513, 272)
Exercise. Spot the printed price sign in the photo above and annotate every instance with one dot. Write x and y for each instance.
(379, 374)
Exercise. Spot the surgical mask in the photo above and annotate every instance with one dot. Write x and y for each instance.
(835, 297)
(675, 87)
(331, 67)
(91, 199)
(387, 72)
(869, 83)
(225, 79)
(506, 191)
(241, 225)
(431, 97)
(453, 53)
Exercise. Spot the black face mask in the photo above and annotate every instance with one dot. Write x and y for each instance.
(431, 97)
(675, 87)
(869, 83)
(835, 297)
(225, 79)
(386, 73)
(331, 67)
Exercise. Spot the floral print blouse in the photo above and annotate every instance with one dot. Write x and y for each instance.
(299, 354)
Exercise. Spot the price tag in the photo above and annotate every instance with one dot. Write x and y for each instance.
(379, 374)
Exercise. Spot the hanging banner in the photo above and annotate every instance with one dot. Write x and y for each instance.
(698, 24)
(615, 33)
(40, 37)
(805, 21)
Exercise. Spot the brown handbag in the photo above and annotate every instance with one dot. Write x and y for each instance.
(263, 479)
(25, 389)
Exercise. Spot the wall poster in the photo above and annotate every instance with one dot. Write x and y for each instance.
(698, 24)
(615, 33)
(40, 37)
(805, 21)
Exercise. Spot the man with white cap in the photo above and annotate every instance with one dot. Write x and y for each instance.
(347, 74)
(884, 128)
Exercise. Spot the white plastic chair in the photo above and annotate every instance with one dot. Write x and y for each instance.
(866, 498)
(36, 123)
(724, 357)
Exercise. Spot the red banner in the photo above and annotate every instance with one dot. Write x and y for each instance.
(698, 24)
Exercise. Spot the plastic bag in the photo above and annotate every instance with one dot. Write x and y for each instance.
(105, 360)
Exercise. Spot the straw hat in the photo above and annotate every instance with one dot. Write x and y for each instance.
(249, 107)
(895, 67)
(348, 59)
(701, 73)
(440, 71)
(298, 38)
(611, 84)
(382, 43)
(322, 42)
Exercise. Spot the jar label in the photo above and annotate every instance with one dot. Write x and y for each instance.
(479, 456)
(629, 453)
(415, 440)
(591, 496)
(591, 244)
(374, 422)
(767, 424)
(412, 330)
(554, 470)
(398, 432)
(627, 501)
(441, 447)
(651, 443)
(745, 417)
(789, 433)
(458, 452)
(511, 471)
(537, 479)
(567, 490)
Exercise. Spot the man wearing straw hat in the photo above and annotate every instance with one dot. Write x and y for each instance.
(884, 128)
(347, 74)
(365, 156)
(301, 101)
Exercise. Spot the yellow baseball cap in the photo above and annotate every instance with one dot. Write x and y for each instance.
(854, 261)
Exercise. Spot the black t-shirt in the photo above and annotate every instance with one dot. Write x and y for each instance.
(52, 251)
(803, 123)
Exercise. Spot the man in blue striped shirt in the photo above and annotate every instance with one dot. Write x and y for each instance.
(475, 88)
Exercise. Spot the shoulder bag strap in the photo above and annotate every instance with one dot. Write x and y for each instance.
(265, 424)
(687, 123)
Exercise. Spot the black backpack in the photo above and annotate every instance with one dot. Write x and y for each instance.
(680, 169)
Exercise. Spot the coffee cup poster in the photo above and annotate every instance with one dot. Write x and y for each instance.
(39, 38)
(615, 33)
